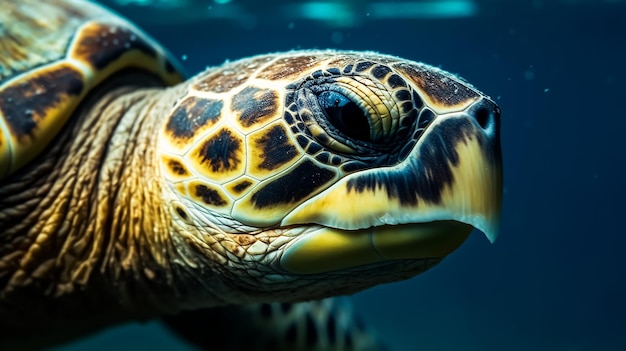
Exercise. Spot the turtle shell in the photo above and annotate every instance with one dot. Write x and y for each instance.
(52, 55)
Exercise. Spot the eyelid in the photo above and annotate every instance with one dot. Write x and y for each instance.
(317, 131)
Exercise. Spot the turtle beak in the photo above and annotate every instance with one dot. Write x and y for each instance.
(423, 207)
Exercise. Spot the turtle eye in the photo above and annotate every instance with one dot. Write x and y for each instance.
(345, 115)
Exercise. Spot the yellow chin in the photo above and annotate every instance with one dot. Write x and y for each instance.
(330, 249)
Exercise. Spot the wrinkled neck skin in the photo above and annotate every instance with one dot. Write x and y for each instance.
(89, 228)
(90, 237)
(85, 230)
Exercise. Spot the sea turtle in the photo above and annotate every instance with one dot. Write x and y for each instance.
(127, 193)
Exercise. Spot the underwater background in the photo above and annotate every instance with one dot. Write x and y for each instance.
(555, 279)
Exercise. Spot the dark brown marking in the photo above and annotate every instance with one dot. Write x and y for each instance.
(426, 177)
(417, 100)
(406, 107)
(408, 120)
(277, 148)
(395, 81)
(101, 44)
(220, 151)
(323, 157)
(209, 196)
(313, 147)
(303, 141)
(319, 73)
(255, 105)
(323, 138)
(26, 103)
(292, 187)
(193, 114)
(425, 117)
(181, 213)
(441, 87)
(362, 66)
(287, 117)
(240, 187)
(177, 168)
(380, 72)
(403, 95)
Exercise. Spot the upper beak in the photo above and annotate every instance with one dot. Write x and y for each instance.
(453, 174)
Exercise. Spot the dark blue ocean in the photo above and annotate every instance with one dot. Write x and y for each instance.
(555, 279)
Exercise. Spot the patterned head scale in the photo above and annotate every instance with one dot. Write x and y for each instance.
(349, 142)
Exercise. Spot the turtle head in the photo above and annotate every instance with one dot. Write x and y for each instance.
(320, 172)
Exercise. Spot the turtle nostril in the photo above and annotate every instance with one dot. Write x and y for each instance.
(483, 117)
(486, 113)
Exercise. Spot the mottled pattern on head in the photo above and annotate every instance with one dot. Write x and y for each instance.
(245, 143)
(126, 193)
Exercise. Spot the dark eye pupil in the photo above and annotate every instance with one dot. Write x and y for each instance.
(345, 115)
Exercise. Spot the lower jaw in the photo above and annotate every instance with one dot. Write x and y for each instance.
(330, 249)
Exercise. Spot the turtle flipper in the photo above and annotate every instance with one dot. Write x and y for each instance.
(329, 324)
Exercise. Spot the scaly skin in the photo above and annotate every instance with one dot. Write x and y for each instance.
(86, 240)
(277, 178)
(89, 239)
(84, 233)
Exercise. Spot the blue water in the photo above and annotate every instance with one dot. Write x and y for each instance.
(555, 279)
